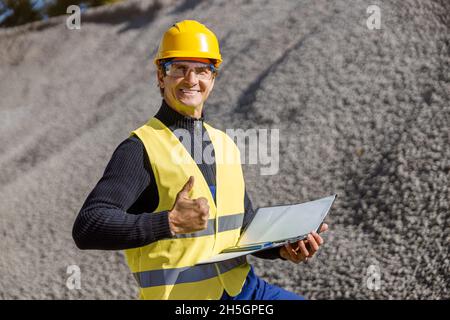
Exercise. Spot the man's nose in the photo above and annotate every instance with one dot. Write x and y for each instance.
(191, 77)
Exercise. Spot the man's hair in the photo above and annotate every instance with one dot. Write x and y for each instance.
(161, 69)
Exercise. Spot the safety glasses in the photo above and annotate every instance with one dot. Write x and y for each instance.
(181, 68)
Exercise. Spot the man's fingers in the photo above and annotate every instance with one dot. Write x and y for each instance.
(205, 214)
(318, 238)
(290, 251)
(303, 249)
(312, 244)
(203, 208)
(291, 254)
(324, 227)
(187, 187)
(287, 253)
(201, 202)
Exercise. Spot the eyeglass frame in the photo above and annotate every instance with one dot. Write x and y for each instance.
(213, 69)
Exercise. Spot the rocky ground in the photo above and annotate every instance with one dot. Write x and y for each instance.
(361, 113)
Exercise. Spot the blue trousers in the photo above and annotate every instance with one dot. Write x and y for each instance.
(256, 288)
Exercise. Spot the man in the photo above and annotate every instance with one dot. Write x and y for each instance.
(166, 210)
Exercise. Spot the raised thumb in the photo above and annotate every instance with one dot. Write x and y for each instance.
(188, 186)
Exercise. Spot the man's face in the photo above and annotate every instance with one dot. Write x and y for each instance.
(186, 92)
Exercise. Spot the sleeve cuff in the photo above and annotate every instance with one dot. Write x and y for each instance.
(270, 254)
(159, 224)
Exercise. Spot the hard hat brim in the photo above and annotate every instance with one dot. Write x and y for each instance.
(187, 54)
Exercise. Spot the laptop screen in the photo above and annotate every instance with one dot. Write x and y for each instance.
(279, 223)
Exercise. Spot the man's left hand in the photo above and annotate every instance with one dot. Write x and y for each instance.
(304, 249)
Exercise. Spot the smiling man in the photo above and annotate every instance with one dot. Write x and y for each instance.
(168, 215)
(186, 91)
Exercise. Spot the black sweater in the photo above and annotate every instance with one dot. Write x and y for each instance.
(117, 214)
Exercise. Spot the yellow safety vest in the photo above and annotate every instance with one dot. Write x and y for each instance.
(166, 269)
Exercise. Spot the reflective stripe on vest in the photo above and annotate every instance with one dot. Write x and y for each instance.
(187, 274)
(167, 269)
(225, 223)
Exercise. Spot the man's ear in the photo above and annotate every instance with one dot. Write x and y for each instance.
(160, 78)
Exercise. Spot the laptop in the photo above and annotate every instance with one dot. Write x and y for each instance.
(277, 225)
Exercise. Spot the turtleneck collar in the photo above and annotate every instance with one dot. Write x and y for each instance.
(173, 119)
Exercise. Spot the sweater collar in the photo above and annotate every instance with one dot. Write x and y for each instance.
(173, 119)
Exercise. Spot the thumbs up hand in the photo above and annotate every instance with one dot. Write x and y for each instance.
(188, 215)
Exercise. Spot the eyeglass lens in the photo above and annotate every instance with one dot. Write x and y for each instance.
(178, 70)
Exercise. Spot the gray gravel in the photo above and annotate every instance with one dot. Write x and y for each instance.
(361, 113)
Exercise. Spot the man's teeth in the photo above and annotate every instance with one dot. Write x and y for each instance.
(186, 90)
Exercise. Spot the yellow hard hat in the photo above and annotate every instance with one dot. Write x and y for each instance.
(189, 38)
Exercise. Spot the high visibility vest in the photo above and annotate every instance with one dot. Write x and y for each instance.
(166, 269)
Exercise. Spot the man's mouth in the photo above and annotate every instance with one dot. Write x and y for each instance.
(189, 91)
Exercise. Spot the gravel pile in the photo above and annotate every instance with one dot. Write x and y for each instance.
(361, 113)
